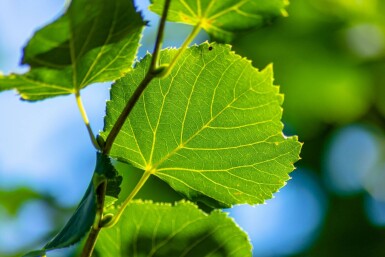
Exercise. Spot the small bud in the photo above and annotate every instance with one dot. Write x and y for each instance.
(100, 141)
(106, 220)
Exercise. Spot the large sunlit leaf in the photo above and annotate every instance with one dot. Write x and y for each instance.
(94, 41)
(222, 19)
(211, 128)
(162, 230)
(83, 218)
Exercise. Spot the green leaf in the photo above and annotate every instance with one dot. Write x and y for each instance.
(79, 224)
(106, 170)
(38, 253)
(222, 19)
(84, 216)
(164, 193)
(210, 129)
(131, 176)
(92, 42)
(162, 230)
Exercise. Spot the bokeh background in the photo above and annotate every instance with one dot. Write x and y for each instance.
(329, 59)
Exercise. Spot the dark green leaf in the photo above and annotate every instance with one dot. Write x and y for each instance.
(79, 224)
(92, 42)
(210, 129)
(105, 168)
(35, 254)
(83, 218)
(222, 19)
(162, 230)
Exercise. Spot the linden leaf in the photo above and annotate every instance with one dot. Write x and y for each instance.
(211, 128)
(92, 42)
(162, 230)
(222, 19)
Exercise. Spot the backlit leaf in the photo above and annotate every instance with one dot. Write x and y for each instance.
(210, 129)
(92, 42)
(222, 19)
(162, 230)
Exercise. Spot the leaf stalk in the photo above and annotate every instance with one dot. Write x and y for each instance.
(100, 194)
(197, 28)
(150, 75)
(133, 193)
(85, 120)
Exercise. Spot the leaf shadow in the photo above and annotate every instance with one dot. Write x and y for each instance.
(203, 243)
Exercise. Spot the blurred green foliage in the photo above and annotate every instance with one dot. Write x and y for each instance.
(323, 56)
(12, 202)
(329, 58)
(19, 197)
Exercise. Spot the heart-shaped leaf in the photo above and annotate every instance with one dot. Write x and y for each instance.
(211, 128)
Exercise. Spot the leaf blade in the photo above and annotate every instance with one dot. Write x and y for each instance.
(78, 225)
(208, 129)
(187, 232)
(222, 19)
(91, 42)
